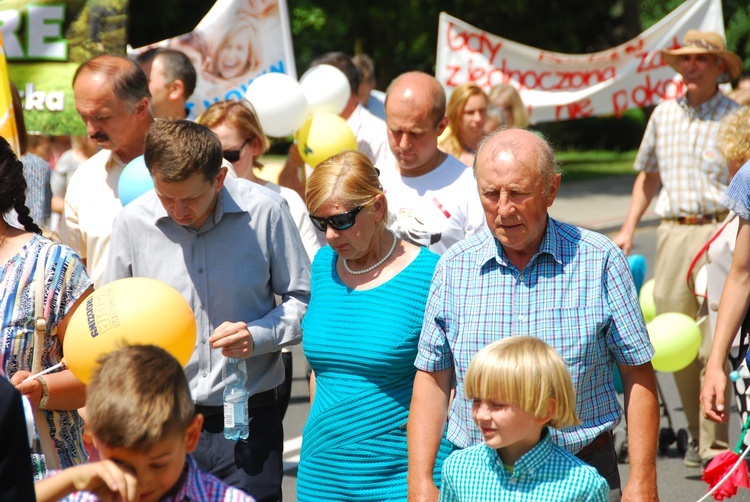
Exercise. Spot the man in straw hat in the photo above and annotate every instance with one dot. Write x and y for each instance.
(679, 151)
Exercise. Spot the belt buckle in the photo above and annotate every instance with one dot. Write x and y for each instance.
(693, 219)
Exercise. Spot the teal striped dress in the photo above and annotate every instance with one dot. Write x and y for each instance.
(361, 345)
(66, 281)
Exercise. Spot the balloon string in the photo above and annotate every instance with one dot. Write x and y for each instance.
(57, 366)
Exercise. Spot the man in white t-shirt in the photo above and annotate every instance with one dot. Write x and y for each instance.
(432, 197)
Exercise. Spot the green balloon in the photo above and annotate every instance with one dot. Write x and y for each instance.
(676, 339)
(646, 299)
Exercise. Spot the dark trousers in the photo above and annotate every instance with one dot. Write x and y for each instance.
(255, 465)
(604, 460)
(285, 389)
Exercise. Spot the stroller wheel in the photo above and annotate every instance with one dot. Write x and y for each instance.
(666, 438)
(682, 441)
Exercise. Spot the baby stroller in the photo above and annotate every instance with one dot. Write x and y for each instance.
(667, 435)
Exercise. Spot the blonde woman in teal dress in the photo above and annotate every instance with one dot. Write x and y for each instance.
(58, 393)
(360, 333)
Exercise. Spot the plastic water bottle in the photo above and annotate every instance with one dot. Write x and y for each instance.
(236, 421)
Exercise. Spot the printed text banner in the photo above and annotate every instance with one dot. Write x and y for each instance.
(557, 86)
(235, 42)
(45, 41)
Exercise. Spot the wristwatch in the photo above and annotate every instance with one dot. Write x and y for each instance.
(44, 400)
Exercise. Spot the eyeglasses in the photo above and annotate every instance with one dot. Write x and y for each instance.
(339, 221)
(234, 155)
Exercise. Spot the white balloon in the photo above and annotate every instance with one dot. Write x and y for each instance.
(279, 102)
(326, 89)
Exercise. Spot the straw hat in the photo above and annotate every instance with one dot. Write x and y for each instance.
(705, 42)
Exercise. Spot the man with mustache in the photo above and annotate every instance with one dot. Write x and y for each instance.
(679, 152)
(112, 97)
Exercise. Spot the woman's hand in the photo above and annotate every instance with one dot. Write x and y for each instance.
(31, 389)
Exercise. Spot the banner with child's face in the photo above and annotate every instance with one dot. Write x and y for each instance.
(235, 42)
(45, 41)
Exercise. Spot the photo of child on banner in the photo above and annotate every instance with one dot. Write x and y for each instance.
(235, 42)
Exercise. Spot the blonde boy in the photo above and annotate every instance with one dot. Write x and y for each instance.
(519, 387)
(144, 425)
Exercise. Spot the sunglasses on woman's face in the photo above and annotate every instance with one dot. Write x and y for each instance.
(339, 221)
(234, 155)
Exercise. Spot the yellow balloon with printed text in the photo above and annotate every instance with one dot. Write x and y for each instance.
(131, 311)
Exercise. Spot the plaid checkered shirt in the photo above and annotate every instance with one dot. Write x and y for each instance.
(547, 472)
(199, 486)
(576, 294)
(680, 144)
(737, 197)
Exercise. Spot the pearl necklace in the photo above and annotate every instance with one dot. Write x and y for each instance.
(382, 260)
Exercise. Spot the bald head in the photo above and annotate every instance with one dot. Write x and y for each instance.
(525, 147)
(418, 89)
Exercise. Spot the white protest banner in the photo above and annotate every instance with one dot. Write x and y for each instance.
(557, 86)
(235, 42)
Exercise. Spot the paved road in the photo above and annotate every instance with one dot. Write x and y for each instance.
(676, 482)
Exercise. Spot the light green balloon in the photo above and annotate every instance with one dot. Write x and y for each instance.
(646, 299)
(676, 339)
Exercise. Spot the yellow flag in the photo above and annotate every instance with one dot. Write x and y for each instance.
(8, 128)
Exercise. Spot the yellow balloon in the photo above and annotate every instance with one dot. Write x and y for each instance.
(676, 339)
(646, 299)
(323, 135)
(133, 311)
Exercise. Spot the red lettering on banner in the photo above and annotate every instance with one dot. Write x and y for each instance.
(474, 42)
(647, 94)
(453, 70)
(654, 63)
(634, 47)
(577, 110)
(487, 76)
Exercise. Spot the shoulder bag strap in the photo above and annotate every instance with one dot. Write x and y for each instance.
(40, 332)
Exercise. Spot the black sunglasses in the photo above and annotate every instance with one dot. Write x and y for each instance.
(234, 155)
(338, 221)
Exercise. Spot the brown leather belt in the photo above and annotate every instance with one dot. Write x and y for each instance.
(601, 441)
(699, 219)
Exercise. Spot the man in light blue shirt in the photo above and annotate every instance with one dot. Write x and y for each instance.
(531, 275)
(229, 246)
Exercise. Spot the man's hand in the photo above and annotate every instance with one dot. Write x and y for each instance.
(426, 492)
(712, 395)
(640, 492)
(234, 340)
(624, 241)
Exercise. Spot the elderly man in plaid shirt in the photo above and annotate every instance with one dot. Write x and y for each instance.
(531, 275)
(679, 151)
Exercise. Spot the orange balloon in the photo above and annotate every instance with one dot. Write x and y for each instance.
(132, 311)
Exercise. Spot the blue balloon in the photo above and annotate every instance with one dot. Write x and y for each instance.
(637, 264)
(135, 180)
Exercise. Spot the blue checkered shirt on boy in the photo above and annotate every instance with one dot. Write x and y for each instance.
(576, 294)
(546, 472)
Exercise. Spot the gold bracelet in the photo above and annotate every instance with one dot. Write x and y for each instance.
(44, 400)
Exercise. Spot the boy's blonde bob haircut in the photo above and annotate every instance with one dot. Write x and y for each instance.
(526, 372)
(137, 397)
